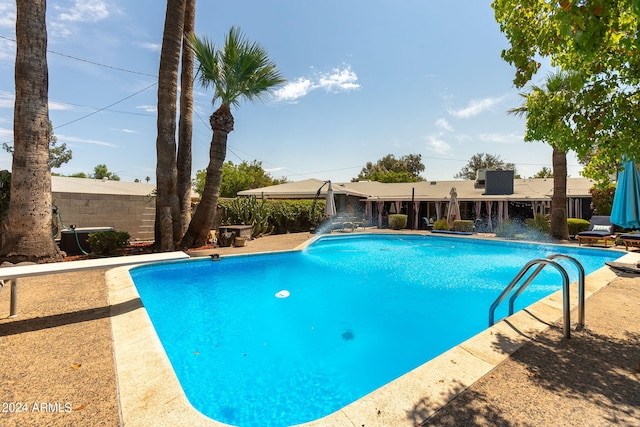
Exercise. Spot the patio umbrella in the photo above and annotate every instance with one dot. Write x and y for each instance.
(330, 207)
(626, 200)
(453, 211)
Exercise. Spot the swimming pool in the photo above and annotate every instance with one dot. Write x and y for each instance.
(358, 306)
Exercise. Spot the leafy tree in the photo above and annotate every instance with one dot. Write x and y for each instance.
(599, 41)
(30, 208)
(602, 199)
(544, 108)
(101, 172)
(239, 70)
(389, 169)
(483, 161)
(545, 172)
(235, 178)
(79, 175)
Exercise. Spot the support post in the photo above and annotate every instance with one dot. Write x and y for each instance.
(13, 307)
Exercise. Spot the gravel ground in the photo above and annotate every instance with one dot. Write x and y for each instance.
(58, 368)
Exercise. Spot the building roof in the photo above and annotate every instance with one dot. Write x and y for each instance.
(65, 184)
(523, 190)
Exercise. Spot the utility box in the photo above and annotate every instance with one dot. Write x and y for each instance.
(498, 182)
(75, 241)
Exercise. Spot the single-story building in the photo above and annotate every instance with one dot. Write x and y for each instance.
(495, 194)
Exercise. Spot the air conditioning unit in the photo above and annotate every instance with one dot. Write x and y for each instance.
(481, 176)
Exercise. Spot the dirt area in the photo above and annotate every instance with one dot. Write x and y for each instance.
(57, 355)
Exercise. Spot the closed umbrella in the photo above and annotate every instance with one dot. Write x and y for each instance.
(626, 200)
(453, 211)
(330, 206)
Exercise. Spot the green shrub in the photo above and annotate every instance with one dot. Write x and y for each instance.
(108, 243)
(576, 225)
(397, 221)
(441, 224)
(462, 225)
(283, 216)
(540, 224)
(509, 229)
(602, 199)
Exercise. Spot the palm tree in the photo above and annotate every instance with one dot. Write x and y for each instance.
(559, 90)
(168, 229)
(30, 208)
(240, 70)
(185, 124)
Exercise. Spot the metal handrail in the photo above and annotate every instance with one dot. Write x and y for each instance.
(581, 289)
(541, 262)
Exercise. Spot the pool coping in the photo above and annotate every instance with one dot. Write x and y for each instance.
(150, 394)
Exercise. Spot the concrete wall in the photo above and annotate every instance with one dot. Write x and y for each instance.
(133, 214)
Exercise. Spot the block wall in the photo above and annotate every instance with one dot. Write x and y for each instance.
(133, 214)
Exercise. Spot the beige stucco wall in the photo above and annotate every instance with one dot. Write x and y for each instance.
(133, 214)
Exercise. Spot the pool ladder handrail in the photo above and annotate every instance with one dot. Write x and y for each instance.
(541, 263)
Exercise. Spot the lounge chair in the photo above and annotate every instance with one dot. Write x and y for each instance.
(630, 240)
(600, 228)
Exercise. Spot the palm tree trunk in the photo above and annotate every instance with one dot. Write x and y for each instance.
(222, 125)
(168, 228)
(30, 207)
(559, 228)
(185, 125)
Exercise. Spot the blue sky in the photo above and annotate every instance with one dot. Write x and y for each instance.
(365, 79)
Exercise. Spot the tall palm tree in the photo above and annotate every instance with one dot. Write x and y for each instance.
(185, 124)
(240, 70)
(555, 99)
(168, 229)
(30, 208)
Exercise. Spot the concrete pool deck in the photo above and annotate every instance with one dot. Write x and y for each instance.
(591, 379)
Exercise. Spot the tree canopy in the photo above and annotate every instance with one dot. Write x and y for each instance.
(598, 41)
(545, 172)
(389, 169)
(483, 161)
(244, 176)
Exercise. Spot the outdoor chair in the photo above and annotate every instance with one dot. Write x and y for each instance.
(600, 228)
(630, 240)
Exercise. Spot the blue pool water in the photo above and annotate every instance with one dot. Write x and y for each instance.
(362, 310)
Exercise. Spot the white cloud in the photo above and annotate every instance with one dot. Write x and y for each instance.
(475, 107)
(57, 29)
(8, 15)
(500, 138)
(84, 141)
(148, 108)
(337, 80)
(444, 124)
(127, 131)
(59, 106)
(7, 100)
(6, 134)
(155, 47)
(7, 51)
(438, 145)
(291, 92)
(84, 11)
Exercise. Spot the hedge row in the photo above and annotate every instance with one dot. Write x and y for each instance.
(281, 216)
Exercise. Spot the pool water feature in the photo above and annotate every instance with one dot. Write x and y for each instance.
(360, 311)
